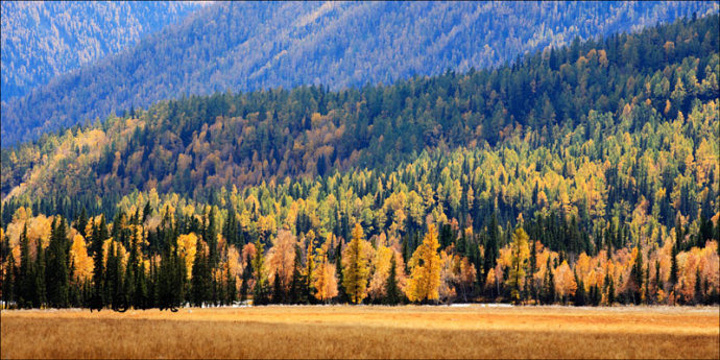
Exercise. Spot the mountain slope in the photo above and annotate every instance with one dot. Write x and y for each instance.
(41, 40)
(246, 46)
(593, 168)
(634, 84)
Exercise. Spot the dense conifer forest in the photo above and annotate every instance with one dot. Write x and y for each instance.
(43, 39)
(247, 46)
(585, 174)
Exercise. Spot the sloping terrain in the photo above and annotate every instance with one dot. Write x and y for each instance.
(241, 46)
(41, 40)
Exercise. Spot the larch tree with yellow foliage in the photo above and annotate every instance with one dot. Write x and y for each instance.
(426, 265)
(356, 266)
(518, 264)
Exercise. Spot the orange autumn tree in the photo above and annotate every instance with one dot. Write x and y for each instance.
(425, 267)
(281, 259)
(324, 279)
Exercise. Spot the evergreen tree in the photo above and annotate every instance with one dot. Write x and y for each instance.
(211, 238)
(549, 283)
(530, 279)
(57, 270)
(39, 289)
(201, 281)
(147, 210)
(9, 282)
(247, 274)
(491, 247)
(231, 288)
(25, 278)
(699, 295)
(298, 283)
(674, 265)
(342, 295)
(393, 295)
(278, 297)
(580, 296)
(81, 222)
(98, 236)
(636, 278)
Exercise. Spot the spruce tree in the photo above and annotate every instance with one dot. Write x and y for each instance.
(393, 295)
(247, 274)
(147, 210)
(200, 280)
(491, 247)
(277, 296)
(699, 296)
(658, 280)
(673, 267)
(57, 270)
(39, 290)
(9, 282)
(636, 277)
(530, 279)
(81, 222)
(25, 278)
(342, 296)
(580, 297)
(212, 238)
(231, 288)
(549, 288)
(98, 236)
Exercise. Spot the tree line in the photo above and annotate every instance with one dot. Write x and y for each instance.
(195, 261)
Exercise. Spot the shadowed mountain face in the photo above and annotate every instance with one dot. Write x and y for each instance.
(41, 40)
(246, 46)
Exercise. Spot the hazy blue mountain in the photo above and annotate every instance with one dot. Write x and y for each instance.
(242, 46)
(43, 39)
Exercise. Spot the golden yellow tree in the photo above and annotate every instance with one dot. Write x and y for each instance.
(381, 270)
(187, 248)
(425, 274)
(324, 279)
(565, 284)
(356, 265)
(520, 255)
(82, 262)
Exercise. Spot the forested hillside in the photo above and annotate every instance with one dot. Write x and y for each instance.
(43, 39)
(586, 175)
(243, 46)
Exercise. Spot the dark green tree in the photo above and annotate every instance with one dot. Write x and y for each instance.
(57, 277)
(393, 295)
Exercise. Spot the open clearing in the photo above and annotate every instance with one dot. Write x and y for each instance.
(474, 331)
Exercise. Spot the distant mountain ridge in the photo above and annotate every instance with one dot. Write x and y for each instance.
(41, 40)
(247, 46)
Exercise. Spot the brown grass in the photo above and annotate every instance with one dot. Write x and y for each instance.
(365, 332)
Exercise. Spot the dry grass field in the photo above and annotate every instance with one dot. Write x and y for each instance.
(365, 332)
